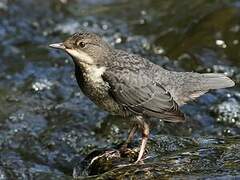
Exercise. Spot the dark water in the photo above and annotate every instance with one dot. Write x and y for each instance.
(48, 128)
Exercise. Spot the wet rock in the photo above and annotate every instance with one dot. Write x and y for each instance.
(231, 157)
(99, 162)
(49, 128)
(207, 156)
(14, 166)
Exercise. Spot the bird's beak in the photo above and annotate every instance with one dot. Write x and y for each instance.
(57, 46)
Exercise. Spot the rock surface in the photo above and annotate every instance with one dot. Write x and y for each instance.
(50, 130)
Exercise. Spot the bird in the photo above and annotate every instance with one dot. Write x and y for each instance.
(134, 87)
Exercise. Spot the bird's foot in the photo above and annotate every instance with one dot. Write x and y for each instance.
(139, 161)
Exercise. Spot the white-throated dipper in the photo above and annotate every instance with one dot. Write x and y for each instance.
(131, 86)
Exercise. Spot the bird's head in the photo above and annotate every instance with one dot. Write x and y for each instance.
(85, 48)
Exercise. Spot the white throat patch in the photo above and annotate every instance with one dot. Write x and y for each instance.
(95, 73)
(80, 55)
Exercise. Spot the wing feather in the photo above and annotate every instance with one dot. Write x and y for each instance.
(141, 95)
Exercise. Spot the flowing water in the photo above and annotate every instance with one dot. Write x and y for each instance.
(50, 130)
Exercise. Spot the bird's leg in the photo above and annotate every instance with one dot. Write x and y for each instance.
(145, 134)
(130, 136)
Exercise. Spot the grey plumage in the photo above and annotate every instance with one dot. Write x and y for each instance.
(147, 89)
(132, 86)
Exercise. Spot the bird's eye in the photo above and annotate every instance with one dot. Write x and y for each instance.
(82, 44)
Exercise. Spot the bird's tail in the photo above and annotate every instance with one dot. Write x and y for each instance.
(195, 85)
(215, 81)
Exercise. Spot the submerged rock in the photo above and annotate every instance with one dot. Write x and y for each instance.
(48, 128)
(214, 156)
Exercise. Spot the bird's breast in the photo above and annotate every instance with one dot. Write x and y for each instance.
(90, 81)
